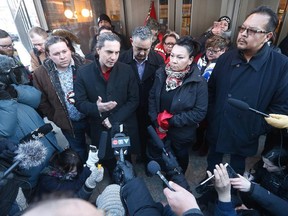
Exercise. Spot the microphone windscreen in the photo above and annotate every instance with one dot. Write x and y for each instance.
(6, 63)
(238, 104)
(31, 154)
(45, 129)
(155, 137)
(153, 167)
(102, 145)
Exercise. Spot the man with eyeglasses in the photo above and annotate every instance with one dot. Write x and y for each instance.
(253, 73)
(7, 47)
(144, 62)
(38, 37)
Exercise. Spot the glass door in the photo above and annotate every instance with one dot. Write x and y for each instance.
(172, 12)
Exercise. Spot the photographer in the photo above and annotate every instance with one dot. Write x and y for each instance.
(18, 117)
(266, 190)
(66, 173)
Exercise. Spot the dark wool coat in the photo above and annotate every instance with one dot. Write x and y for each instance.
(262, 83)
(188, 107)
(121, 87)
(154, 61)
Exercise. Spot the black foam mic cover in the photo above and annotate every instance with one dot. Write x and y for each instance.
(238, 104)
(155, 137)
(102, 145)
(38, 133)
(153, 167)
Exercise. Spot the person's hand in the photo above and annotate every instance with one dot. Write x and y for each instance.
(123, 172)
(180, 200)
(241, 183)
(216, 29)
(106, 123)
(92, 159)
(107, 106)
(96, 175)
(222, 183)
(277, 120)
(162, 120)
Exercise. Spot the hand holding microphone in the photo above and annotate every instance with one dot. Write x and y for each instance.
(180, 200)
(277, 120)
(123, 172)
(96, 176)
(92, 157)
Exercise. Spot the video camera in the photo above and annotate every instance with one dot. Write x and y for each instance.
(120, 143)
(16, 75)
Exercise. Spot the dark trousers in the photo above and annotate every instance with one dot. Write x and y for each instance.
(237, 162)
(78, 141)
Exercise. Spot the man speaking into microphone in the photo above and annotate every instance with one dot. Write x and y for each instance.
(19, 118)
(253, 73)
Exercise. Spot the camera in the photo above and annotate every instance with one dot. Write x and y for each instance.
(16, 75)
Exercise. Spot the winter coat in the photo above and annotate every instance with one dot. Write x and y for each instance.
(262, 83)
(268, 201)
(36, 58)
(188, 107)
(121, 87)
(19, 118)
(53, 99)
(49, 184)
(154, 61)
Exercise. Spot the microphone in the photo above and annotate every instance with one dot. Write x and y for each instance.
(154, 168)
(102, 145)
(244, 106)
(156, 139)
(37, 133)
(29, 154)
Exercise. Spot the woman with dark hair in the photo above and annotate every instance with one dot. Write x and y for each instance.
(178, 100)
(165, 47)
(266, 188)
(66, 173)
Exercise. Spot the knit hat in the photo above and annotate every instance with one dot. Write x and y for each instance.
(109, 200)
(103, 17)
(227, 19)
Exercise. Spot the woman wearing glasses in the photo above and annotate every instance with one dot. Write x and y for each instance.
(215, 47)
(164, 48)
(178, 100)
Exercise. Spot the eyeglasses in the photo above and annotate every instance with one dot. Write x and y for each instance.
(251, 32)
(169, 44)
(39, 44)
(10, 46)
(213, 52)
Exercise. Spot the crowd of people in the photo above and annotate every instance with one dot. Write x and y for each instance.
(180, 85)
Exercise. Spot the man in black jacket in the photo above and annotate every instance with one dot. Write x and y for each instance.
(107, 92)
(144, 63)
